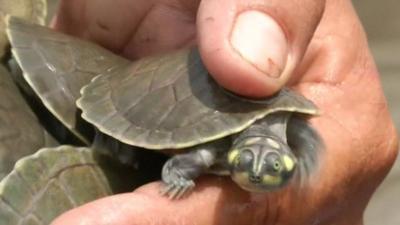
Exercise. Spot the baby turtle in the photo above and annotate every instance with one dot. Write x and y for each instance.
(169, 103)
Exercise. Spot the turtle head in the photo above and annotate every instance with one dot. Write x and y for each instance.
(261, 164)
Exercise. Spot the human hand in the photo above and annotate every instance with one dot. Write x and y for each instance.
(318, 48)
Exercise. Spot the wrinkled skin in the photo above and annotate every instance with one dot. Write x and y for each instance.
(332, 66)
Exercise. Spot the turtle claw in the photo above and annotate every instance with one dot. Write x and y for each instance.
(177, 177)
(184, 190)
(166, 189)
(173, 194)
(177, 189)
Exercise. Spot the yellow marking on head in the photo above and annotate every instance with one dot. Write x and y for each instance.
(272, 180)
(273, 143)
(252, 140)
(232, 155)
(289, 163)
(241, 178)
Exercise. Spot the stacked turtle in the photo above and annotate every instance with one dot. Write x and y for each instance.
(20, 132)
(167, 104)
(49, 178)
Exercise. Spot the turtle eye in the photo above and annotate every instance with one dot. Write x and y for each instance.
(273, 162)
(277, 165)
(245, 160)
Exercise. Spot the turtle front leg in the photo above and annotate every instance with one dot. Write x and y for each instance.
(179, 172)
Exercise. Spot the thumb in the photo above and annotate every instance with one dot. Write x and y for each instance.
(252, 47)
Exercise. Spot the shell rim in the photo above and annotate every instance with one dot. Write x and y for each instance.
(30, 82)
(80, 103)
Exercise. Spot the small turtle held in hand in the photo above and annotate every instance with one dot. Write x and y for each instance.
(170, 104)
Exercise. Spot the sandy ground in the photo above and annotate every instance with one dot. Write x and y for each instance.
(381, 20)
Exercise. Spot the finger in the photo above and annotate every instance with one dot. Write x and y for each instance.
(251, 47)
(131, 28)
(108, 23)
(147, 207)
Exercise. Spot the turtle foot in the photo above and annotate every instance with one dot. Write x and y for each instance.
(180, 171)
(177, 189)
(177, 176)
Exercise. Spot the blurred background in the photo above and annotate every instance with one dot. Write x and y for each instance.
(381, 20)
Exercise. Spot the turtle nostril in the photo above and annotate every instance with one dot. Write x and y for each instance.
(255, 179)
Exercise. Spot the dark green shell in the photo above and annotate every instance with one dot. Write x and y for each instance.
(48, 183)
(54, 180)
(56, 66)
(20, 131)
(171, 101)
(158, 102)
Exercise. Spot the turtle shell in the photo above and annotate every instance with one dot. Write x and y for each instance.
(158, 102)
(20, 131)
(171, 101)
(32, 10)
(50, 182)
(56, 66)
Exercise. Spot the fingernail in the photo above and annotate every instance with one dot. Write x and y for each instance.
(259, 40)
